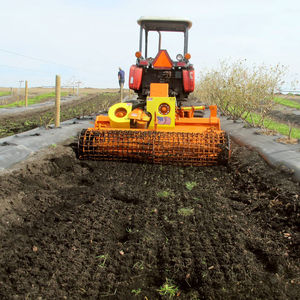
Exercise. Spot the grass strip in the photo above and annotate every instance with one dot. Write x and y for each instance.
(4, 94)
(34, 100)
(286, 102)
(274, 125)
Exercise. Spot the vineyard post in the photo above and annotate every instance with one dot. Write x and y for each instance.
(57, 101)
(26, 93)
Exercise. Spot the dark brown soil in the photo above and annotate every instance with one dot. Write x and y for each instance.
(75, 229)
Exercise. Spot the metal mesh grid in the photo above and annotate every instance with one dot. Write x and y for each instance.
(178, 148)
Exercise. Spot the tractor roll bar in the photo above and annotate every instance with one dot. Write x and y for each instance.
(163, 24)
(185, 46)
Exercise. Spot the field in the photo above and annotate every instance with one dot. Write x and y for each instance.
(74, 229)
(38, 92)
(84, 106)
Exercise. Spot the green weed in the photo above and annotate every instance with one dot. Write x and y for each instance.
(136, 292)
(165, 194)
(185, 211)
(46, 120)
(196, 198)
(28, 123)
(128, 229)
(102, 260)
(190, 185)
(168, 289)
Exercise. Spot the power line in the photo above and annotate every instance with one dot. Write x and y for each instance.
(37, 71)
(25, 69)
(37, 59)
(46, 61)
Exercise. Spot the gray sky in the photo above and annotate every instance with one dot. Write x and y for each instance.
(88, 40)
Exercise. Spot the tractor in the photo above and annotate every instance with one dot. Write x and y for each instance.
(157, 127)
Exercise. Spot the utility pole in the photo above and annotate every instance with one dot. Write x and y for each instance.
(26, 93)
(73, 84)
(20, 82)
(78, 83)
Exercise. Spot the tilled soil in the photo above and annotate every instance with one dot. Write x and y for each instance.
(75, 229)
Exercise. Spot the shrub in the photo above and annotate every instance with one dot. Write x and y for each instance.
(239, 91)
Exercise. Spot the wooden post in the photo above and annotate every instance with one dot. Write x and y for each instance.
(57, 101)
(26, 93)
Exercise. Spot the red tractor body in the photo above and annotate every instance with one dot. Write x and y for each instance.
(179, 73)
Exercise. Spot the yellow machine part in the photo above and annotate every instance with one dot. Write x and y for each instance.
(119, 115)
(162, 110)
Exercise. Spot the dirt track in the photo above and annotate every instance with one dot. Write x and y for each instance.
(91, 230)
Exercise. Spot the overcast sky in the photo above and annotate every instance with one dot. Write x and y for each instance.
(88, 40)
